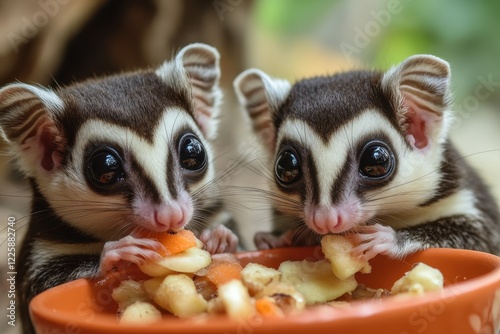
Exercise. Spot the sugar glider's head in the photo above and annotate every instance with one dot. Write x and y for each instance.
(124, 151)
(349, 148)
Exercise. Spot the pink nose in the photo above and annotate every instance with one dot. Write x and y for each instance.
(326, 220)
(169, 217)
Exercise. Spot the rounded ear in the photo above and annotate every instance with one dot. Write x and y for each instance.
(419, 88)
(196, 68)
(27, 124)
(261, 96)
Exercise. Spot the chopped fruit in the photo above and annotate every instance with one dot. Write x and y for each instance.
(140, 313)
(337, 249)
(151, 285)
(174, 242)
(285, 296)
(177, 294)
(237, 302)
(421, 278)
(256, 277)
(127, 293)
(222, 271)
(268, 308)
(193, 283)
(315, 280)
(189, 261)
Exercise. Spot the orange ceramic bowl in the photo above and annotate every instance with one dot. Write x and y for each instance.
(470, 302)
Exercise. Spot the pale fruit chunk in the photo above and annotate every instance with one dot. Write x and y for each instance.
(215, 306)
(236, 300)
(314, 280)
(141, 313)
(127, 293)
(189, 261)
(285, 295)
(337, 250)
(420, 279)
(154, 269)
(177, 294)
(256, 277)
(151, 285)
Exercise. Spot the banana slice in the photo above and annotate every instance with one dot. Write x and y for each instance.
(189, 261)
(236, 300)
(141, 313)
(177, 294)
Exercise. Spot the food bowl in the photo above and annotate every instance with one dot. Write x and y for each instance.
(470, 302)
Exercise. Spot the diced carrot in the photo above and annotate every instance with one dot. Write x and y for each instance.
(222, 271)
(174, 242)
(268, 308)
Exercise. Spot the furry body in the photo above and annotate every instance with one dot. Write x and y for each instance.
(111, 158)
(367, 154)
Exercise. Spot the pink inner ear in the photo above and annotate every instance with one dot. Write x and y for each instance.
(42, 144)
(421, 122)
(416, 128)
(47, 140)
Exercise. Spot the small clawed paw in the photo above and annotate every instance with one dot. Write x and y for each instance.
(219, 240)
(118, 254)
(372, 240)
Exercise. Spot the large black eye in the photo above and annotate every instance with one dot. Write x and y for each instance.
(377, 161)
(105, 168)
(287, 168)
(192, 154)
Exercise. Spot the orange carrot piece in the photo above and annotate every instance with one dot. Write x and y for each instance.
(174, 242)
(220, 272)
(268, 308)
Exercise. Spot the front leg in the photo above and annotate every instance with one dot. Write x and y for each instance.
(219, 240)
(461, 231)
(119, 254)
(372, 240)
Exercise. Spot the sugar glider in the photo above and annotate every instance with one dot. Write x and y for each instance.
(367, 154)
(111, 157)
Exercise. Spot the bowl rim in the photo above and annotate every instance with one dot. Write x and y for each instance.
(320, 314)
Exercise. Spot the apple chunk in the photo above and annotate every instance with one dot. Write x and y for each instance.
(337, 250)
(315, 280)
(177, 294)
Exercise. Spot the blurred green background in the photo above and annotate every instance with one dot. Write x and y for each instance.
(286, 38)
(465, 33)
(296, 39)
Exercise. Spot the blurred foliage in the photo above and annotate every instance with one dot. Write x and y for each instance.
(463, 32)
(291, 17)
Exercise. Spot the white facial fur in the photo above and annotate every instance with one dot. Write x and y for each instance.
(33, 121)
(68, 191)
(415, 123)
(415, 178)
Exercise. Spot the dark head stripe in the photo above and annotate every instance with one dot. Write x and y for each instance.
(172, 166)
(327, 103)
(338, 190)
(136, 101)
(143, 182)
